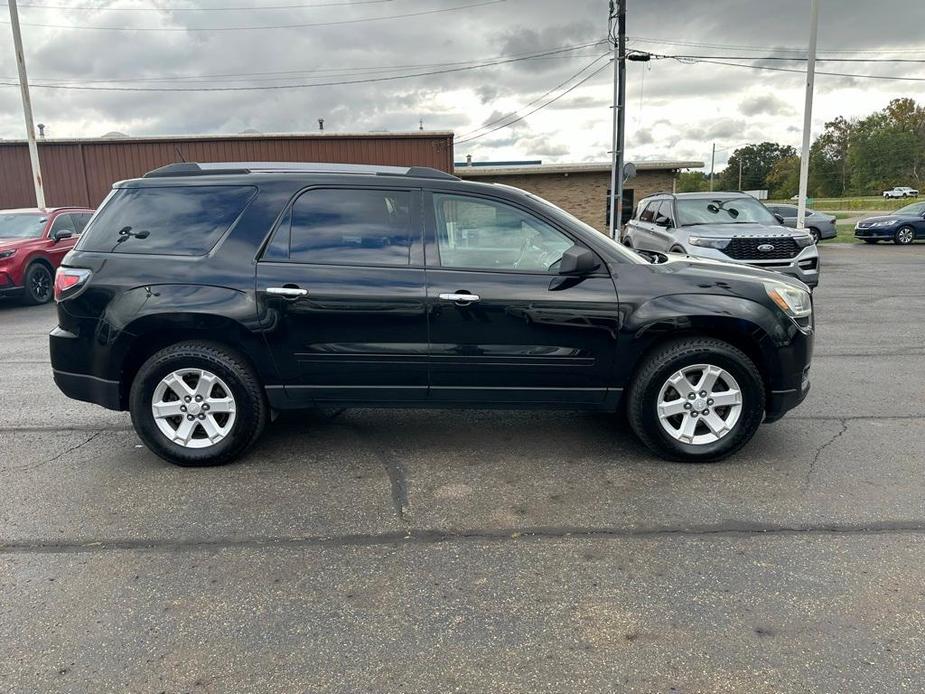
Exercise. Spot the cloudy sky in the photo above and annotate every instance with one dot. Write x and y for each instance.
(675, 109)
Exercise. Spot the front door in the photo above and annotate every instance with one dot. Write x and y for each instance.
(504, 326)
(341, 288)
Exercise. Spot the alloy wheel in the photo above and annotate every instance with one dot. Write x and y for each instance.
(904, 236)
(40, 285)
(193, 408)
(699, 404)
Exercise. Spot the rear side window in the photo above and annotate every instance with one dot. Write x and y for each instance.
(350, 227)
(182, 220)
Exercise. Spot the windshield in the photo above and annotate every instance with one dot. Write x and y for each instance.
(722, 211)
(916, 208)
(21, 226)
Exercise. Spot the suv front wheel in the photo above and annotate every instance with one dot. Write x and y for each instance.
(696, 400)
(197, 404)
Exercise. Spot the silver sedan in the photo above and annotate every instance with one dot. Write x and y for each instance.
(820, 226)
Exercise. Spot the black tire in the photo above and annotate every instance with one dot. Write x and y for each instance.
(871, 241)
(904, 236)
(251, 409)
(643, 394)
(814, 232)
(678, 249)
(39, 285)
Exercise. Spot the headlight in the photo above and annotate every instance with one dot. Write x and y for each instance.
(885, 223)
(791, 300)
(803, 240)
(708, 241)
(7, 254)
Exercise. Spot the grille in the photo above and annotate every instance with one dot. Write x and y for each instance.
(747, 249)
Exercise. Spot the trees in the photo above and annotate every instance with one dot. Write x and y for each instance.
(783, 179)
(693, 182)
(757, 162)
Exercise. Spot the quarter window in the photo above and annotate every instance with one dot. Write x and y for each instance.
(664, 212)
(485, 235)
(648, 214)
(350, 227)
(173, 220)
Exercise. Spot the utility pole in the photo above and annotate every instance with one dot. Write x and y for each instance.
(808, 113)
(27, 105)
(618, 20)
(712, 163)
(740, 173)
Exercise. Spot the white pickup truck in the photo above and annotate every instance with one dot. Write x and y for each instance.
(901, 192)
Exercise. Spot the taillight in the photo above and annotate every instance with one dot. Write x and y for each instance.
(67, 279)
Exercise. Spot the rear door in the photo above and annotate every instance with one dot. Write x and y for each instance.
(505, 328)
(342, 282)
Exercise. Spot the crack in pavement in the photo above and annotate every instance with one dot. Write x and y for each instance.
(819, 450)
(398, 480)
(424, 537)
(34, 466)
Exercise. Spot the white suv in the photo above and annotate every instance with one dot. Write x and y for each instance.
(901, 192)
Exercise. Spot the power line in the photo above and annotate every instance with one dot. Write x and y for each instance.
(336, 22)
(538, 108)
(369, 80)
(793, 58)
(101, 8)
(801, 72)
(771, 49)
(560, 53)
(531, 103)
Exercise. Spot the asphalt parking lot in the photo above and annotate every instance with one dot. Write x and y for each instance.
(384, 550)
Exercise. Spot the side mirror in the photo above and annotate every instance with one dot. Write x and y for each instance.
(779, 218)
(62, 234)
(663, 222)
(578, 261)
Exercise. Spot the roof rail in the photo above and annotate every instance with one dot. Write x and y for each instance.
(217, 169)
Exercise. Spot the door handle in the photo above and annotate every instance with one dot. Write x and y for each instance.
(289, 292)
(460, 299)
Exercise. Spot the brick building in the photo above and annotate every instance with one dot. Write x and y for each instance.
(582, 189)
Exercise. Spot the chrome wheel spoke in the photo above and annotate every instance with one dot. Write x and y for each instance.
(184, 433)
(715, 423)
(680, 383)
(708, 379)
(178, 385)
(213, 430)
(688, 427)
(167, 409)
(726, 398)
(672, 407)
(220, 405)
(205, 384)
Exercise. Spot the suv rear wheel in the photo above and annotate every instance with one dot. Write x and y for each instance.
(197, 404)
(696, 400)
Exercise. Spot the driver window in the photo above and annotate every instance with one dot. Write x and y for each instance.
(62, 222)
(478, 234)
(664, 213)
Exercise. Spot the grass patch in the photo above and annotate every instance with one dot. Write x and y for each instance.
(845, 234)
(868, 202)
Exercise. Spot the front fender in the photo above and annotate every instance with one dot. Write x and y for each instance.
(769, 337)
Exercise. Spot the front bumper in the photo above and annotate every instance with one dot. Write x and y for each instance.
(804, 267)
(882, 233)
(782, 401)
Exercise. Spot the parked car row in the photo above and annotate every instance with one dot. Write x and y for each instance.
(902, 226)
(32, 244)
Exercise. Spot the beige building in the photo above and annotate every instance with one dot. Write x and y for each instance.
(582, 189)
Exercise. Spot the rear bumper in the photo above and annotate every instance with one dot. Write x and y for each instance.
(89, 389)
(69, 365)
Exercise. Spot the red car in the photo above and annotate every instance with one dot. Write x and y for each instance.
(32, 243)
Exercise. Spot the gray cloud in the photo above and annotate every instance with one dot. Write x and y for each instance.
(674, 108)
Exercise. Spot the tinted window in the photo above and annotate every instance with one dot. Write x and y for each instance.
(788, 212)
(483, 235)
(80, 221)
(63, 222)
(351, 227)
(187, 220)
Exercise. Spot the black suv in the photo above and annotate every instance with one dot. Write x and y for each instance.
(202, 298)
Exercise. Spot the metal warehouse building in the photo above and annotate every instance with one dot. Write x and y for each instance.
(81, 172)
